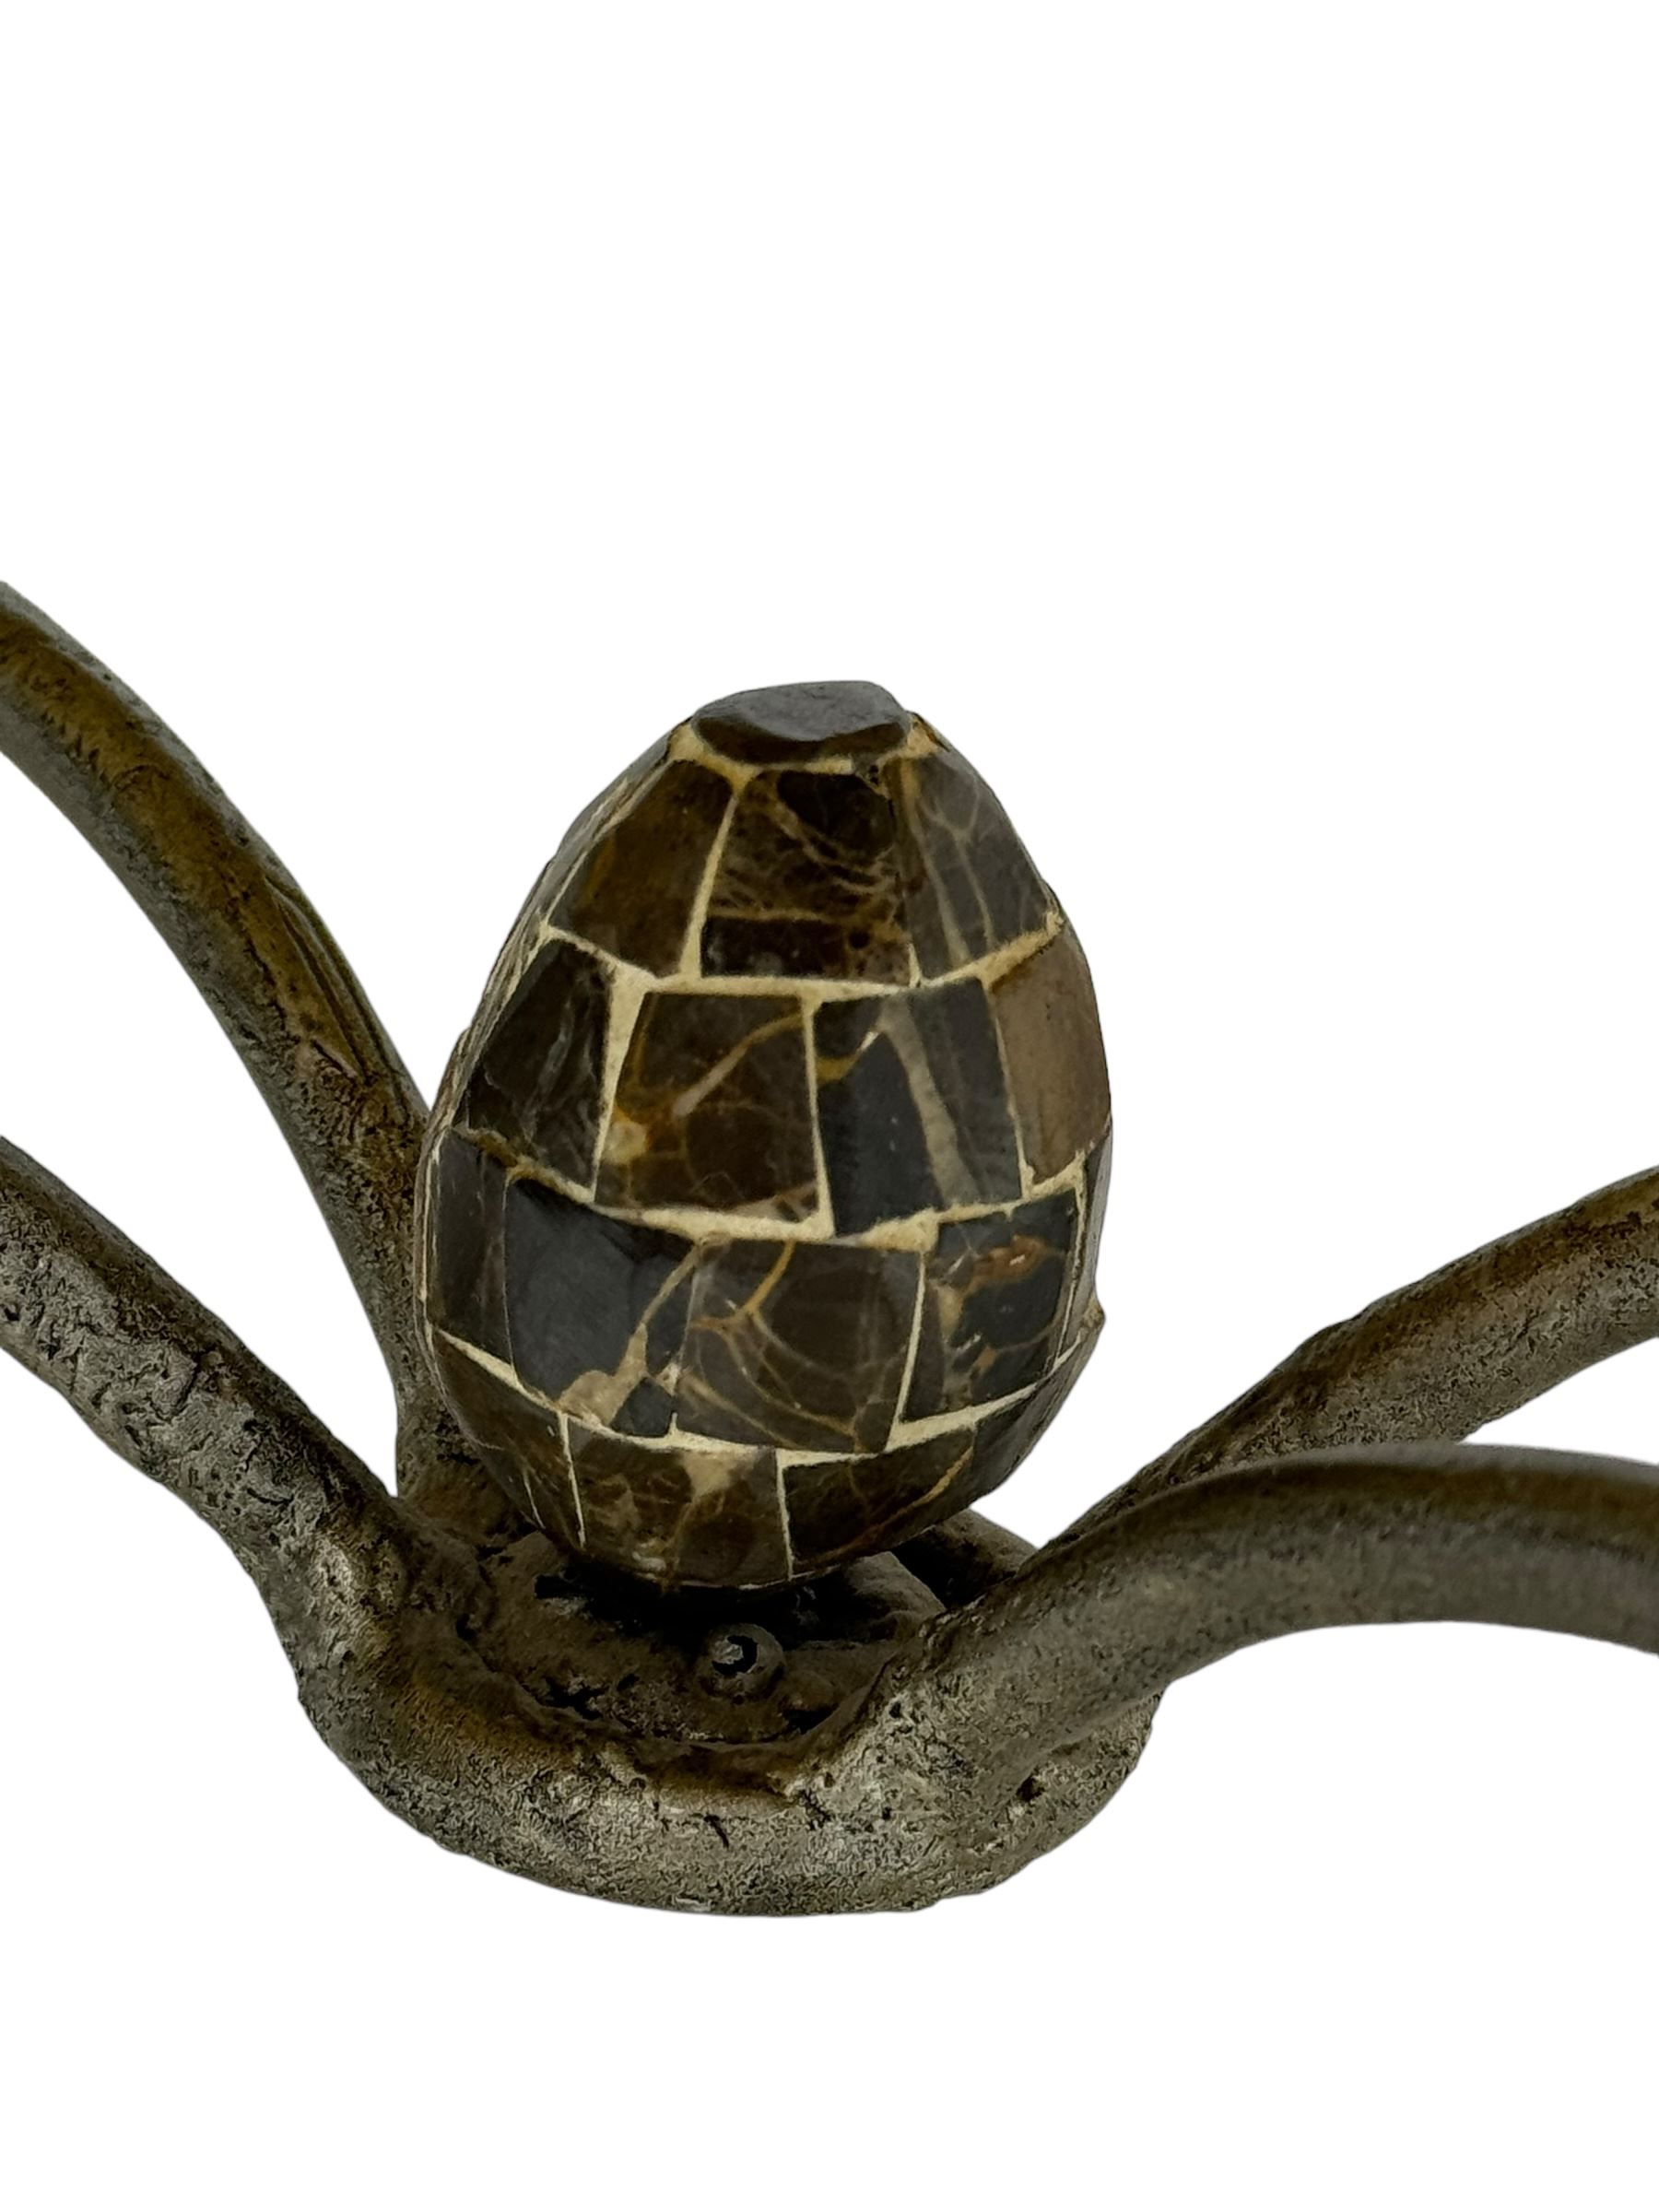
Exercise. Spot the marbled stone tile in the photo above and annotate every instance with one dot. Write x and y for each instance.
(633, 892)
(520, 1442)
(636, 1397)
(580, 1287)
(680, 1514)
(995, 1296)
(535, 1082)
(802, 1345)
(792, 723)
(713, 1108)
(1051, 1034)
(968, 882)
(466, 1290)
(648, 1408)
(594, 818)
(840, 1509)
(808, 883)
(1097, 1179)
(1011, 1433)
(913, 1105)
(685, 1363)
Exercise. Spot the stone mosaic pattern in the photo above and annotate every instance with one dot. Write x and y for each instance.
(762, 1200)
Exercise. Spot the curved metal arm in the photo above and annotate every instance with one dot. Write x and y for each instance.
(1447, 1354)
(435, 1669)
(252, 943)
(1392, 1533)
(1021, 1715)
(1441, 1357)
(166, 1385)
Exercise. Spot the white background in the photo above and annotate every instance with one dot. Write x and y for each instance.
(1236, 427)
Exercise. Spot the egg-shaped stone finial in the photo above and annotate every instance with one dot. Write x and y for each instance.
(759, 1209)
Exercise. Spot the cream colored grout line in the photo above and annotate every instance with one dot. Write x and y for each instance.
(633, 1367)
(690, 960)
(554, 933)
(989, 969)
(1079, 1183)
(564, 1445)
(912, 1352)
(531, 929)
(626, 987)
(944, 1424)
(909, 1232)
(627, 997)
(504, 1372)
(941, 1133)
(931, 1425)
(685, 742)
(677, 1439)
(500, 1368)
(923, 1431)
(1027, 1184)
(824, 1212)
(519, 946)
(783, 1513)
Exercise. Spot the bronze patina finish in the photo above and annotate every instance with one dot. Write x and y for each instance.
(899, 1728)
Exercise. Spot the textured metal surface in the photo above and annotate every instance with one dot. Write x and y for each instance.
(248, 936)
(912, 1727)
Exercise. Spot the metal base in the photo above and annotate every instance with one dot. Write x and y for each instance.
(913, 1727)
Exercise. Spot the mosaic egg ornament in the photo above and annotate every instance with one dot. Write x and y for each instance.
(762, 1203)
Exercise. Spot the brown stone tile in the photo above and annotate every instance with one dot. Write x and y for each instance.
(802, 1345)
(582, 1288)
(595, 818)
(838, 1509)
(968, 883)
(680, 1514)
(867, 1502)
(712, 1108)
(466, 1278)
(534, 1082)
(636, 1395)
(589, 825)
(1008, 1437)
(912, 1104)
(520, 1442)
(1051, 1035)
(995, 1291)
(808, 883)
(634, 890)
